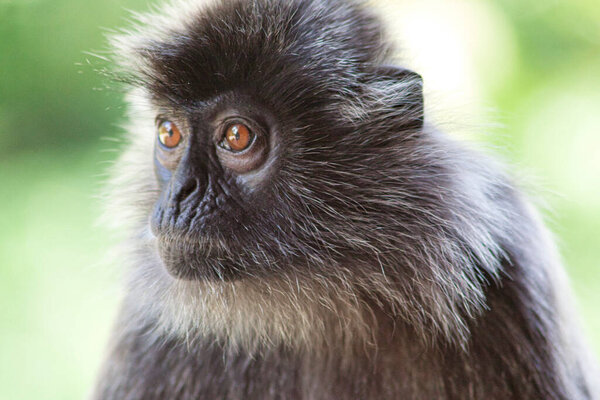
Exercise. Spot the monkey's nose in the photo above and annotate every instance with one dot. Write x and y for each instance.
(180, 203)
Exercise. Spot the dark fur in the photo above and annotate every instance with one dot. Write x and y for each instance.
(373, 256)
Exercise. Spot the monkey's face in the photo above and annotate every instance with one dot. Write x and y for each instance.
(217, 167)
(276, 145)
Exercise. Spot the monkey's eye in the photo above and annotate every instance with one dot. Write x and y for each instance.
(168, 134)
(241, 144)
(238, 137)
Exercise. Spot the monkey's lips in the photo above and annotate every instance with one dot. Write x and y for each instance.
(188, 259)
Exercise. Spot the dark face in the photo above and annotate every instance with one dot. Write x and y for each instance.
(266, 157)
(214, 167)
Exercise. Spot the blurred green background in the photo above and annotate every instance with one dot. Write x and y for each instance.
(525, 72)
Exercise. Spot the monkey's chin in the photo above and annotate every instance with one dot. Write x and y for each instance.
(185, 261)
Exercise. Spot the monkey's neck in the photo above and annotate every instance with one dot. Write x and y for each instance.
(168, 367)
(502, 360)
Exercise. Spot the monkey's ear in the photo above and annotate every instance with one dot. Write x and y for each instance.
(405, 92)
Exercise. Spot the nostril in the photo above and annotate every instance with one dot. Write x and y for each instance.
(186, 190)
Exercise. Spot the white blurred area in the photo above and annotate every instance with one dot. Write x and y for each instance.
(449, 43)
(466, 51)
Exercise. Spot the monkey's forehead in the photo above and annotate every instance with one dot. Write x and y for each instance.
(190, 49)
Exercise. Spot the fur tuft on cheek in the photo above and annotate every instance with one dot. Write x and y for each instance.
(132, 187)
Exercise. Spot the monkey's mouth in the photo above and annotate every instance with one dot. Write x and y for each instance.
(196, 260)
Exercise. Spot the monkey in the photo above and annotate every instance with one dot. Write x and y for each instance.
(296, 228)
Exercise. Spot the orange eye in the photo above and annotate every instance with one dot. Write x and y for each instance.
(238, 137)
(168, 134)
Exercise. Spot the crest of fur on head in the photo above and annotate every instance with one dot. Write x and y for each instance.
(372, 212)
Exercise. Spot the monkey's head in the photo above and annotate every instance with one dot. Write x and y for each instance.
(274, 141)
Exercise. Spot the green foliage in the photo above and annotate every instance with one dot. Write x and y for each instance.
(51, 97)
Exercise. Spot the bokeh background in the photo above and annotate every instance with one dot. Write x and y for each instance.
(519, 77)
